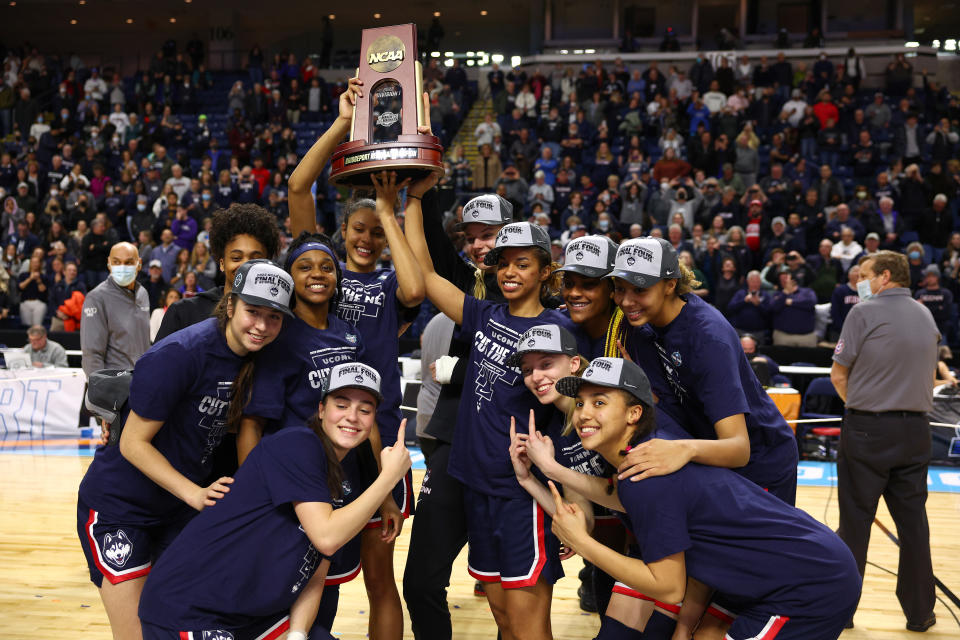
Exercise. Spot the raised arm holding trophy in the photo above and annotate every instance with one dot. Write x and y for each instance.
(383, 116)
(384, 135)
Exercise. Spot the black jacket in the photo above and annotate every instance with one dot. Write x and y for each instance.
(189, 311)
(448, 263)
(935, 228)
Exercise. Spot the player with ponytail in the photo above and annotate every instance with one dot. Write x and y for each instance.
(186, 392)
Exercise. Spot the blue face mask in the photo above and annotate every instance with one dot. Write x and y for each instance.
(206, 196)
(141, 207)
(914, 255)
(123, 274)
(864, 290)
(603, 225)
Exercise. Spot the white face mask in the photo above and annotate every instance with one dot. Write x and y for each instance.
(864, 290)
(123, 274)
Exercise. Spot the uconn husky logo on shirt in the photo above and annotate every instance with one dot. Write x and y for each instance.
(670, 363)
(214, 417)
(346, 488)
(117, 548)
(493, 346)
(361, 300)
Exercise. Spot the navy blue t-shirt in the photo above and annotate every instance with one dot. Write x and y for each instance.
(291, 371)
(700, 375)
(492, 393)
(247, 558)
(741, 540)
(370, 304)
(184, 381)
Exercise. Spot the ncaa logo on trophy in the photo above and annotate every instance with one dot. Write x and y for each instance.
(385, 118)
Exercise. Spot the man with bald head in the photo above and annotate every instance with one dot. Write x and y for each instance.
(115, 326)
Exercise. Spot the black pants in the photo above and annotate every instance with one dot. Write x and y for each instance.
(888, 456)
(439, 533)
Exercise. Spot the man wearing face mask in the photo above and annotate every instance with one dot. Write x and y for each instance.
(206, 206)
(63, 125)
(685, 199)
(139, 217)
(883, 374)
(862, 207)
(54, 195)
(115, 325)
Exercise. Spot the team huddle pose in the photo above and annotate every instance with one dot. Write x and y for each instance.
(596, 407)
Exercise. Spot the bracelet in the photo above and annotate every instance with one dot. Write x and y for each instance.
(410, 195)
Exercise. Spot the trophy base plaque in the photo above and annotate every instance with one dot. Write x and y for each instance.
(411, 156)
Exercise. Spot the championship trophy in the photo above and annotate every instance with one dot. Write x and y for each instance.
(384, 135)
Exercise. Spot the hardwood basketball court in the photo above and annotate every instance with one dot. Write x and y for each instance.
(45, 592)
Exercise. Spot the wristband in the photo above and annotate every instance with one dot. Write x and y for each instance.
(296, 635)
(444, 368)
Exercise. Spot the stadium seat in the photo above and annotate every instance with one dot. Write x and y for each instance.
(821, 401)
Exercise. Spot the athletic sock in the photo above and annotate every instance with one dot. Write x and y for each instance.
(660, 626)
(611, 629)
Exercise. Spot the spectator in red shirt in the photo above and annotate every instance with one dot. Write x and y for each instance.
(825, 109)
(754, 225)
(260, 173)
(670, 166)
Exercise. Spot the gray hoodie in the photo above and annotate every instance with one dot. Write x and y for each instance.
(115, 326)
(687, 208)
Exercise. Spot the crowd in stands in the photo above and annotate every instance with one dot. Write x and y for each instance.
(772, 178)
(90, 158)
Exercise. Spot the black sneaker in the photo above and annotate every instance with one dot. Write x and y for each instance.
(587, 600)
(586, 573)
(920, 627)
(478, 590)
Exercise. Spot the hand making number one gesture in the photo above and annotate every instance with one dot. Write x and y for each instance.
(395, 459)
(529, 448)
(569, 521)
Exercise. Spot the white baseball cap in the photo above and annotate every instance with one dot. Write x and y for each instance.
(590, 256)
(489, 209)
(643, 262)
(264, 284)
(543, 338)
(353, 375)
(518, 235)
(615, 373)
